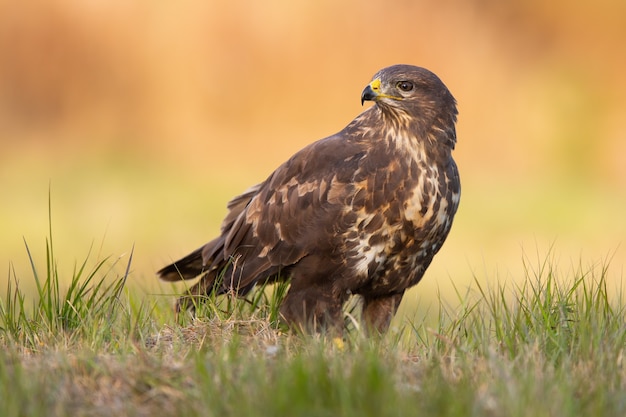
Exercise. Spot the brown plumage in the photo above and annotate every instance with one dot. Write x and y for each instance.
(360, 212)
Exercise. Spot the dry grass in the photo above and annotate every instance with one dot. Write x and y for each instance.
(553, 346)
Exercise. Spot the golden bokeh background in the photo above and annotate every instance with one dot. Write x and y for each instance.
(144, 118)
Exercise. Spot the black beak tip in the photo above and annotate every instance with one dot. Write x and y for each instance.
(367, 95)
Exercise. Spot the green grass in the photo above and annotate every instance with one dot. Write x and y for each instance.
(88, 345)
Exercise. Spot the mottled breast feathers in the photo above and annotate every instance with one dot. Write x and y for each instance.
(361, 212)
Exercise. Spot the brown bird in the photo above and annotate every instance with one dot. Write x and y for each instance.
(360, 212)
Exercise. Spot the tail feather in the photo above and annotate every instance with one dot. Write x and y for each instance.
(186, 268)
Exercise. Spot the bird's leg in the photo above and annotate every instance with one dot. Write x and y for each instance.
(313, 309)
(378, 312)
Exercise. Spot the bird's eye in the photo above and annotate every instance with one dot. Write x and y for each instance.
(405, 85)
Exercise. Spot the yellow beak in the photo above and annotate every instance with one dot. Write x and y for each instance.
(373, 92)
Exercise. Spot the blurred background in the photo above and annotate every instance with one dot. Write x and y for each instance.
(144, 118)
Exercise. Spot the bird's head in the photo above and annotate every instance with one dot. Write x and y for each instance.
(415, 100)
(414, 90)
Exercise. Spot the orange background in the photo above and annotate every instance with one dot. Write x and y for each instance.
(144, 118)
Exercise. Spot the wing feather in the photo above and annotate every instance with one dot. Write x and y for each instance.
(276, 223)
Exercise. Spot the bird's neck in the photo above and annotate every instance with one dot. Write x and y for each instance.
(435, 136)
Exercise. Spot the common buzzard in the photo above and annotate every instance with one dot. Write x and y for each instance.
(360, 212)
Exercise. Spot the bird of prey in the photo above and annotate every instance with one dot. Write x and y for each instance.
(360, 212)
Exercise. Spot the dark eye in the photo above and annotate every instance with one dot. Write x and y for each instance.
(405, 85)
